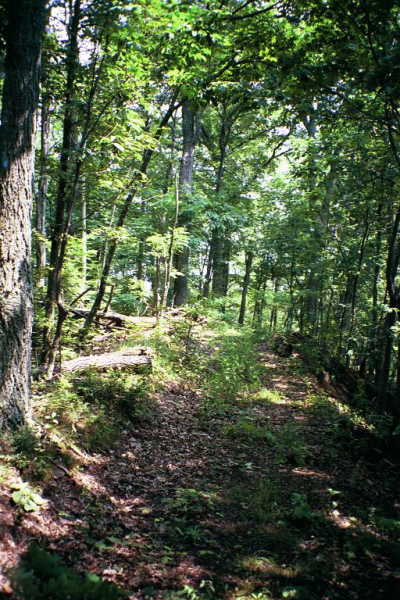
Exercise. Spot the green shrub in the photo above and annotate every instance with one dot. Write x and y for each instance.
(233, 369)
(259, 502)
(31, 454)
(290, 445)
(286, 440)
(92, 407)
(26, 497)
(25, 441)
(43, 576)
(190, 502)
(301, 510)
(248, 431)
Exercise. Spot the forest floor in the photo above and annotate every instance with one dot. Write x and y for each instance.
(242, 481)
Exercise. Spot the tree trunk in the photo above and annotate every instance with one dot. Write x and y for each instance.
(137, 359)
(373, 330)
(259, 294)
(208, 275)
(356, 278)
(393, 289)
(84, 235)
(109, 254)
(245, 286)
(169, 259)
(66, 194)
(181, 289)
(222, 254)
(273, 319)
(41, 196)
(25, 27)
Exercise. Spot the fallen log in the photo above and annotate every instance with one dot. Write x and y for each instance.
(137, 359)
(113, 318)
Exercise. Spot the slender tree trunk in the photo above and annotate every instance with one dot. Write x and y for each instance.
(203, 264)
(41, 196)
(108, 258)
(373, 360)
(290, 313)
(220, 247)
(222, 251)
(84, 235)
(140, 260)
(181, 289)
(344, 320)
(208, 275)
(245, 286)
(66, 194)
(170, 254)
(273, 320)
(261, 279)
(356, 278)
(23, 36)
(110, 251)
(156, 286)
(393, 289)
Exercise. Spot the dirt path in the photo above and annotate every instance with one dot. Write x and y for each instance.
(272, 499)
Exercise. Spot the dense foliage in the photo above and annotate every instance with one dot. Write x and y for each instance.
(238, 158)
(246, 152)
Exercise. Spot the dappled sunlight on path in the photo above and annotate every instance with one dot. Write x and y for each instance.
(265, 500)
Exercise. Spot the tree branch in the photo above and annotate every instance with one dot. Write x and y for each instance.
(235, 17)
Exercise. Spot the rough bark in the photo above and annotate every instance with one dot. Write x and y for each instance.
(24, 30)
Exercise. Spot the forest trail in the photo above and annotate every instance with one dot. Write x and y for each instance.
(267, 500)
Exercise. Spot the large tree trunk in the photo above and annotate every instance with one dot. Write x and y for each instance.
(25, 26)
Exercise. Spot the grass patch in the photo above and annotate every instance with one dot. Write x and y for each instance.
(248, 431)
(287, 440)
(269, 396)
(267, 566)
(260, 503)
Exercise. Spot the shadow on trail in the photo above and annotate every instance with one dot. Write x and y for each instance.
(273, 500)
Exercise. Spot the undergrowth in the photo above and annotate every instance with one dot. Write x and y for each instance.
(42, 575)
(91, 408)
(272, 536)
